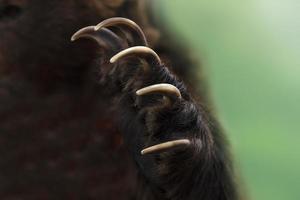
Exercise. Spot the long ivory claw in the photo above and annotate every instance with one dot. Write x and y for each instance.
(123, 21)
(163, 88)
(166, 146)
(141, 51)
(104, 37)
(84, 32)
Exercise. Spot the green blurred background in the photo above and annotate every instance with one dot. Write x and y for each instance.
(251, 52)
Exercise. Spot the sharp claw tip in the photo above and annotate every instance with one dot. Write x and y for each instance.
(145, 152)
(138, 92)
(112, 61)
(73, 38)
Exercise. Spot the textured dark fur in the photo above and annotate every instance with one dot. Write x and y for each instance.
(61, 131)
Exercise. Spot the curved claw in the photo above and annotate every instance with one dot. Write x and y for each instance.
(165, 89)
(104, 37)
(128, 24)
(141, 51)
(166, 146)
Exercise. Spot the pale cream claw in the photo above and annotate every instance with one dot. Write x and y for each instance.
(138, 51)
(165, 89)
(84, 32)
(166, 146)
(105, 37)
(115, 21)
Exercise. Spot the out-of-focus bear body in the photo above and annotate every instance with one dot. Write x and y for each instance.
(58, 134)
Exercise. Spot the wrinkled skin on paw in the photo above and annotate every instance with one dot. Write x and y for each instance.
(72, 125)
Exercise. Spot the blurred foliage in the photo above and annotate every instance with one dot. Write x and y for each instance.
(251, 52)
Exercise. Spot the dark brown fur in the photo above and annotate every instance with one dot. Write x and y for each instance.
(59, 139)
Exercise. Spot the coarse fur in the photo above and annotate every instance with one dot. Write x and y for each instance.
(64, 135)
